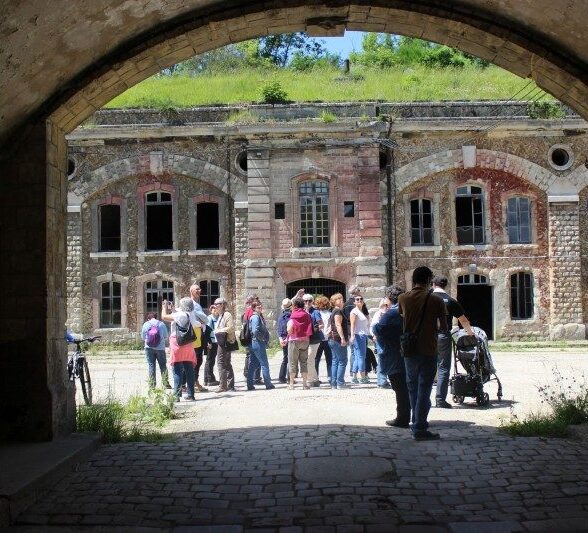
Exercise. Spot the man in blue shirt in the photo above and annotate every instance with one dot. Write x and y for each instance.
(154, 333)
(388, 331)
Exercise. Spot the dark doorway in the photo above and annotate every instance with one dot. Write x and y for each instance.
(207, 226)
(316, 286)
(476, 300)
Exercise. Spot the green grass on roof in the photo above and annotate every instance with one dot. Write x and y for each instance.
(393, 85)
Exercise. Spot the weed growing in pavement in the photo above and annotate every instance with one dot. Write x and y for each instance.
(328, 117)
(134, 421)
(566, 397)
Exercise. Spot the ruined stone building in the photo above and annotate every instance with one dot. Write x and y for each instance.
(479, 192)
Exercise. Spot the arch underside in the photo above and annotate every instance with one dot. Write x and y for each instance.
(514, 37)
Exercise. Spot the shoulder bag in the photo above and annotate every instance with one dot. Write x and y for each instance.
(409, 340)
(185, 335)
(230, 346)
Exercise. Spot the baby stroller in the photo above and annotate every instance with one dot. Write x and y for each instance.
(474, 356)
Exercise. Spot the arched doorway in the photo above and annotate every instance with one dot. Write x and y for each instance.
(475, 296)
(315, 286)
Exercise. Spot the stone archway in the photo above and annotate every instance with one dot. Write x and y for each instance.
(96, 50)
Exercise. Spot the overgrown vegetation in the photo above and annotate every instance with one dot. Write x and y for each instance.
(137, 420)
(567, 401)
(327, 117)
(279, 68)
(545, 109)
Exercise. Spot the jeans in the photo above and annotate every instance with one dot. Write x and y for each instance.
(209, 364)
(325, 348)
(152, 355)
(338, 363)
(248, 358)
(359, 349)
(351, 354)
(382, 378)
(420, 372)
(179, 369)
(398, 382)
(259, 359)
(284, 374)
(443, 365)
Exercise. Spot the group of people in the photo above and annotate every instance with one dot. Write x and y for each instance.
(307, 329)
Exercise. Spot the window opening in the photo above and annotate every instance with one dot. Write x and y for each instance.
(472, 279)
(159, 226)
(71, 167)
(316, 286)
(348, 209)
(280, 211)
(518, 220)
(155, 292)
(521, 296)
(421, 222)
(207, 226)
(209, 292)
(469, 215)
(109, 216)
(314, 213)
(110, 305)
(242, 161)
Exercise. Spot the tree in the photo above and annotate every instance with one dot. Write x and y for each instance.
(279, 49)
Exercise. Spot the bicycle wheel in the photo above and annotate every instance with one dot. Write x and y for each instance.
(85, 381)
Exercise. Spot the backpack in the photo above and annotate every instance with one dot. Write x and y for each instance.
(245, 335)
(185, 334)
(153, 338)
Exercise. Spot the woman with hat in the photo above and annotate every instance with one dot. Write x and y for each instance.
(283, 337)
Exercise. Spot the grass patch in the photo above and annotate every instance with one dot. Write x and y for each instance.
(137, 420)
(399, 84)
(567, 400)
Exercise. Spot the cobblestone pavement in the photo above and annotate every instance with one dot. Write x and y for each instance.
(236, 463)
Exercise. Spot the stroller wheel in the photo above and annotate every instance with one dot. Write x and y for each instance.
(484, 399)
(458, 399)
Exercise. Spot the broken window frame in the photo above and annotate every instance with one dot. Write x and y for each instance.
(476, 231)
(154, 292)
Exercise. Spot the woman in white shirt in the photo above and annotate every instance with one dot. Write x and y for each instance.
(360, 329)
(382, 377)
(324, 306)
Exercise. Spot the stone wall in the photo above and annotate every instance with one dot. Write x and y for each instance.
(74, 272)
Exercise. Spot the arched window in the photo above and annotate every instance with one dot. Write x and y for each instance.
(518, 220)
(421, 222)
(110, 305)
(158, 221)
(209, 292)
(521, 296)
(155, 292)
(469, 215)
(314, 213)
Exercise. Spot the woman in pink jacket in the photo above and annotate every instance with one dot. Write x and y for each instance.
(299, 329)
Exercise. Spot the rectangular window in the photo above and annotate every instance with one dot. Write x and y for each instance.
(521, 296)
(209, 292)
(110, 305)
(280, 211)
(207, 226)
(348, 209)
(158, 224)
(421, 222)
(469, 215)
(314, 213)
(518, 220)
(109, 220)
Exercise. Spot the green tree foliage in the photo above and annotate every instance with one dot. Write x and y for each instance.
(385, 51)
(279, 49)
(273, 93)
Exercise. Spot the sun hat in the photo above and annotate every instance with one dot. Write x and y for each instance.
(286, 302)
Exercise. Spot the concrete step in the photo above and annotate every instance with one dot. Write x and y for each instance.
(29, 469)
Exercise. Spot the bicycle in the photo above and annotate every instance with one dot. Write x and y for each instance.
(77, 367)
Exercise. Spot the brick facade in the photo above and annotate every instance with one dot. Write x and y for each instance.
(261, 253)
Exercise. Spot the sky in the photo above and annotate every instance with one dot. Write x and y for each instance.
(344, 45)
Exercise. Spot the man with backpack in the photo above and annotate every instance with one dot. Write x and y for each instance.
(154, 333)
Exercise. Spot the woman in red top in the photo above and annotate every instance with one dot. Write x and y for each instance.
(299, 329)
